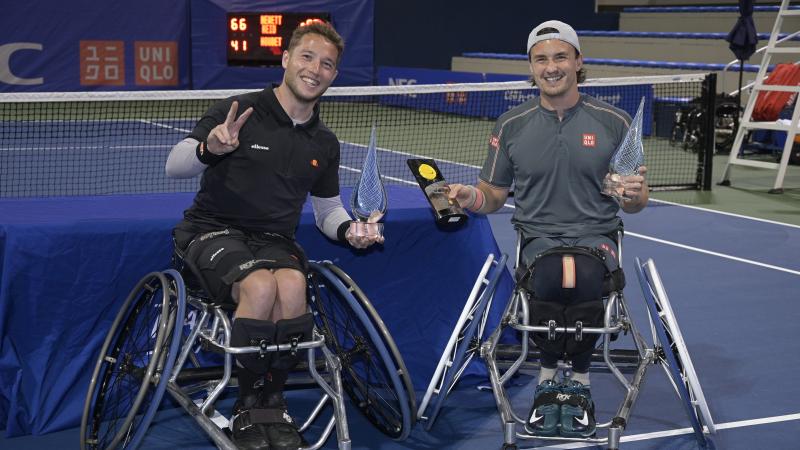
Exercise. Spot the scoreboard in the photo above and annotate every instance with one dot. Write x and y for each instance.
(259, 39)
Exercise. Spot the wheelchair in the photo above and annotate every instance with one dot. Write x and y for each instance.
(155, 342)
(628, 366)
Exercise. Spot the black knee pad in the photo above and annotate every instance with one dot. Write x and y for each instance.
(290, 331)
(542, 313)
(253, 332)
(586, 314)
(566, 285)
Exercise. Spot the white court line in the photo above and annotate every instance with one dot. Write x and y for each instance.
(740, 216)
(399, 180)
(398, 152)
(161, 125)
(680, 431)
(709, 252)
(87, 147)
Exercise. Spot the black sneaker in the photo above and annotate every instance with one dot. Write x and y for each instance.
(246, 434)
(281, 435)
(577, 410)
(545, 413)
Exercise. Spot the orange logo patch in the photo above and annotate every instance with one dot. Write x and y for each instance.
(609, 250)
(589, 140)
(494, 142)
(314, 163)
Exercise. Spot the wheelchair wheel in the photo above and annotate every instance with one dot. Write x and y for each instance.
(373, 373)
(135, 364)
(387, 339)
(671, 350)
(465, 341)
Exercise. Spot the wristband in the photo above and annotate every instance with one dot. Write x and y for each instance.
(341, 232)
(473, 197)
(205, 156)
(479, 199)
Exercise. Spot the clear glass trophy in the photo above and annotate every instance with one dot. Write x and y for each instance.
(627, 159)
(368, 202)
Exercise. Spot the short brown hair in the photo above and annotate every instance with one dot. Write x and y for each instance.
(324, 29)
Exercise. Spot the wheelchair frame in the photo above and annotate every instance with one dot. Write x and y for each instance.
(668, 350)
(149, 348)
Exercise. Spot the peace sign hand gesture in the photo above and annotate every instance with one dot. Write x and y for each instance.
(224, 138)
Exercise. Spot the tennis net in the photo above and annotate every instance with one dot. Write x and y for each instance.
(61, 144)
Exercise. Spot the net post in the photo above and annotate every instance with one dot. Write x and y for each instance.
(706, 156)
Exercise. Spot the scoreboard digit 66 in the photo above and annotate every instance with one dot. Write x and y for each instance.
(259, 39)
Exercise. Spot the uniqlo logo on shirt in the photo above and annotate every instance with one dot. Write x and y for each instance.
(588, 140)
(494, 142)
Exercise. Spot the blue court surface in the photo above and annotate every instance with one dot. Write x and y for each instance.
(734, 284)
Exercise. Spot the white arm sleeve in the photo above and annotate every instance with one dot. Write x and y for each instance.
(329, 214)
(182, 161)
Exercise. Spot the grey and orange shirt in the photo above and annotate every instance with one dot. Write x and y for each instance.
(557, 166)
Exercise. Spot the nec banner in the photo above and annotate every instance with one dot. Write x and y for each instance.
(492, 104)
(79, 45)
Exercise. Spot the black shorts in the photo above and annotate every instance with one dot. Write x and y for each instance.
(226, 256)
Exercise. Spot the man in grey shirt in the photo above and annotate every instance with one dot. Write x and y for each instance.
(556, 149)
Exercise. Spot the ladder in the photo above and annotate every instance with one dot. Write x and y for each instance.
(746, 124)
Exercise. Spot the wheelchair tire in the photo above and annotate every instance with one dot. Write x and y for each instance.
(373, 373)
(671, 351)
(380, 326)
(465, 341)
(134, 365)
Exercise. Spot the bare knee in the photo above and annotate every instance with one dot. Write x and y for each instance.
(291, 296)
(257, 293)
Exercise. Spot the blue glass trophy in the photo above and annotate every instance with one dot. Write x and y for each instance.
(368, 202)
(627, 159)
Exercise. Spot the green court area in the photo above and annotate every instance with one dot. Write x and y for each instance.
(464, 140)
(747, 195)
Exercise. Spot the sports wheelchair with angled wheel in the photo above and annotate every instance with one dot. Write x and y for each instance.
(533, 327)
(155, 342)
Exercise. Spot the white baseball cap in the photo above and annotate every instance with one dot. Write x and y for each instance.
(563, 32)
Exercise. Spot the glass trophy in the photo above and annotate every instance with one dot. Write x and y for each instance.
(626, 160)
(448, 213)
(368, 202)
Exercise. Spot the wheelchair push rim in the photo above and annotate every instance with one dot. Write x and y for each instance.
(673, 355)
(383, 330)
(370, 375)
(133, 367)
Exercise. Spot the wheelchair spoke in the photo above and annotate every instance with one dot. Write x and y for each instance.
(127, 383)
(671, 350)
(370, 379)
